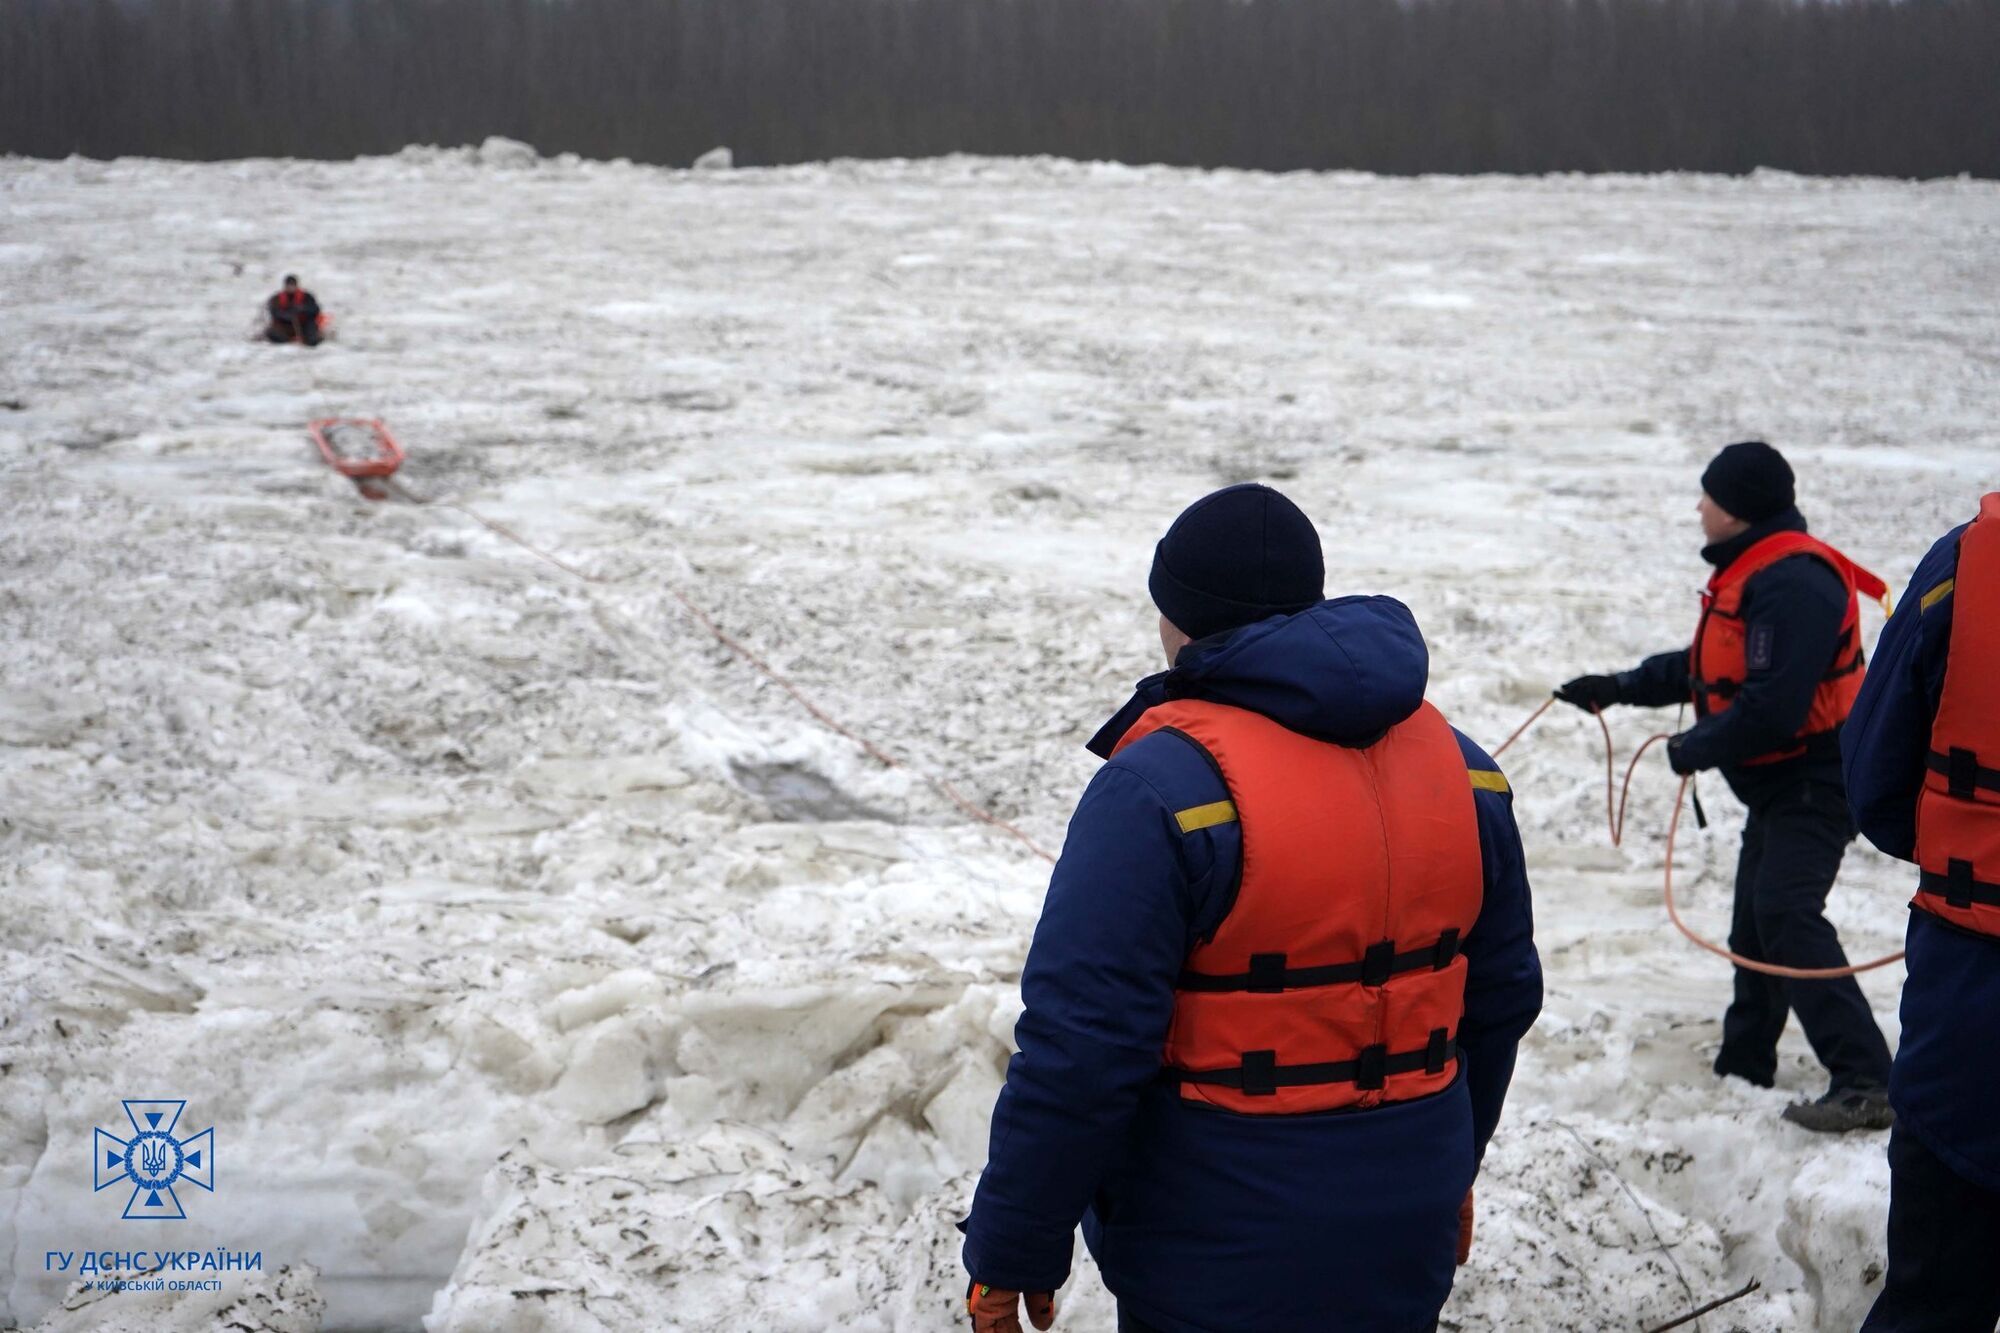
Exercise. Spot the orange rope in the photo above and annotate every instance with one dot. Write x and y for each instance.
(1614, 814)
(1768, 969)
(1533, 718)
(1615, 818)
(943, 786)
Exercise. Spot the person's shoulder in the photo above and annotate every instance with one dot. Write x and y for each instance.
(1482, 771)
(1937, 572)
(1177, 770)
(1807, 575)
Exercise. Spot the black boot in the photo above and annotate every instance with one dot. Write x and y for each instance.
(1844, 1110)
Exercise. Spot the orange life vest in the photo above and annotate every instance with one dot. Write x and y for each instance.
(1718, 663)
(1335, 979)
(1958, 811)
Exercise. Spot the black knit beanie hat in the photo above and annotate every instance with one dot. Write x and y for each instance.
(1751, 480)
(1235, 557)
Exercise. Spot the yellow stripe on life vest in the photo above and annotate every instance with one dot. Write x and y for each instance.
(1937, 594)
(1206, 816)
(1488, 779)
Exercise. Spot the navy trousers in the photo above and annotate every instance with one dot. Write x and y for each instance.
(1944, 1234)
(1792, 847)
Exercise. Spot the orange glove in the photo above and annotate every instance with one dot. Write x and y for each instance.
(996, 1309)
(1465, 1229)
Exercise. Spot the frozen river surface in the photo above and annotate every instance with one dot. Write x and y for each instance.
(539, 966)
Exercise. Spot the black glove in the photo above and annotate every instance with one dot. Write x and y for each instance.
(1675, 759)
(1593, 694)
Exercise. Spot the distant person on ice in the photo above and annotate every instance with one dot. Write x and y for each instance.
(294, 315)
(1922, 757)
(1274, 998)
(1773, 670)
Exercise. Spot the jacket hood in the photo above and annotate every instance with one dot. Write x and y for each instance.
(1345, 671)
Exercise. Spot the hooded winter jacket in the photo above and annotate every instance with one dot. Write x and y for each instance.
(1203, 1220)
(1940, 1086)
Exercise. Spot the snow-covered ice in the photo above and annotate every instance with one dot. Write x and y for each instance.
(541, 967)
(281, 1301)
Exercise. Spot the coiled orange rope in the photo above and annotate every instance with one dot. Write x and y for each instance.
(1615, 817)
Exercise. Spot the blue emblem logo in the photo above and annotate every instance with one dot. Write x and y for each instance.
(154, 1160)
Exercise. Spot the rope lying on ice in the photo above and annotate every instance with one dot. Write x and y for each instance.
(1614, 809)
(942, 785)
(1614, 813)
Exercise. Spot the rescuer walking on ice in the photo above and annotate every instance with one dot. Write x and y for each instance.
(1274, 997)
(1923, 774)
(1774, 668)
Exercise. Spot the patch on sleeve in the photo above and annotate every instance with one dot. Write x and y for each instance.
(1757, 655)
(1206, 816)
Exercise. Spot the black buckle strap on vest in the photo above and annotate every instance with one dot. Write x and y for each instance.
(1260, 1075)
(1722, 687)
(1268, 973)
(1438, 1052)
(1371, 1070)
(1962, 772)
(1958, 887)
(1379, 963)
(1848, 668)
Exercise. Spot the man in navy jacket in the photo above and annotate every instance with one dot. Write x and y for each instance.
(1798, 826)
(1202, 1220)
(1944, 1156)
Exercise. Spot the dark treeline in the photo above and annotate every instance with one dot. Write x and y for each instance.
(1892, 87)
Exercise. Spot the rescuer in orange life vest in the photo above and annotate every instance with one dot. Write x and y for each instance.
(1774, 667)
(294, 315)
(1274, 997)
(1922, 757)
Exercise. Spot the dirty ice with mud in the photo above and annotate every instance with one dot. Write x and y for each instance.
(541, 966)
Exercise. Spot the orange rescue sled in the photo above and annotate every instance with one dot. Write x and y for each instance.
(361, 449)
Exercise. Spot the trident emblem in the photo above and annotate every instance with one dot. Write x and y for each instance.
(153, 1160)
(153, 1156)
